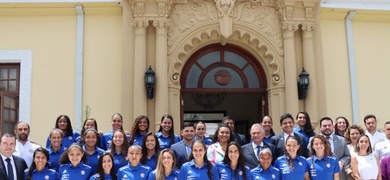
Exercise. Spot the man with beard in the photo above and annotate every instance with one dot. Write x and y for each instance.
(24, 147)
(183, 148)
(337, 144)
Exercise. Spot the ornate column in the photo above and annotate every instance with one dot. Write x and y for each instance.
(311, 101)
(290, 67)
(161, 105)
(140, 100)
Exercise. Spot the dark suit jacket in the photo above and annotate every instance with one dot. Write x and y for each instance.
(279, 142)
(181, 153)
(20, 165)
(250, 157)
(240, 138)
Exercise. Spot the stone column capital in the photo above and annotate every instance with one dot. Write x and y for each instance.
(289, 28)
(308, 27)
(161, 23)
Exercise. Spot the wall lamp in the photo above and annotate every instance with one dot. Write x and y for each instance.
(303, 84)
(150, 81)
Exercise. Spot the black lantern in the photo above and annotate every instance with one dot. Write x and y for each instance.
(303, 84)
(150, 81)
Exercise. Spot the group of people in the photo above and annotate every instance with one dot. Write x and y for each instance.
(339, 151)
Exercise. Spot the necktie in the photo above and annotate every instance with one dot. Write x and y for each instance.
(330, 143)
(10, 169)
(258, 150)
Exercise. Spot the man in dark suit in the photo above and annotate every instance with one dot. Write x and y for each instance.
(279, 140)
(337, 143)
(240, 138)
(251, 150)
(183, 148)
(11, 167)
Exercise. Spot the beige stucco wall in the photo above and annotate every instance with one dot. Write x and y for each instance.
(51, 35)
(371, 42)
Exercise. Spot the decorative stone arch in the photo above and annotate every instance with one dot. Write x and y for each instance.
(265, 49)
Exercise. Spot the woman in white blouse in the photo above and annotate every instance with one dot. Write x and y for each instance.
(365, 165)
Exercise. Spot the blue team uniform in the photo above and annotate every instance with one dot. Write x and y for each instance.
(173, 176)
(46, 173)
(287, 173)
(105, 140)
(323, 169)
(139, 172)
(206, 140)
(152, 162)
(97, 177)
(227, 173)
(259, 173)
(79, 172)
(189, 171)
(67, 141)
(93, 159)
(165, 142)
(138, 139)
(119, 161)
(54, 157)
(300, 131)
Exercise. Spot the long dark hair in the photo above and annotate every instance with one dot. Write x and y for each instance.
(272, 132)
(145, 149)
(327, 148)
(215, 137)
(65, 158)
(171, 131)
(33, 165)
(135, 130)
(125, 145)
(289, 160)
(95, 132)
(336, 129)
(69, 129)
(308, 127)
(100, 169)
(241, 159)
(208, 163)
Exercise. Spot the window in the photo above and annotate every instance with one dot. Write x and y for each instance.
(9, 96)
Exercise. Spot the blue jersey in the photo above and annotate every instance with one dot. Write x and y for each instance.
(119, 161)
(139, 172)
(323, 169)
(189, 171)
(152, 162)
(105, 140)
(54, 157)
(259, 173)
(165, 142)
(206, 140)
(287, 172)
(93, 159)
(173, 176)
(79, 172)
(138, 139)
(46, 174)
(97, 177)
(67, 141)
(300, 131)
(227, 173)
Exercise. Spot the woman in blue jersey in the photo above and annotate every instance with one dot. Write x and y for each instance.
(56, 149)
(290, 165)
(233, 164)
(139, 130)
(304, 125)
(322, 163)
(88, 123)
(39, 167)
(166, 167)
(150, 150)
(165, 134)
(117, 124)
(198, 168)
(72, 164)
(200, 131)
(265, 170)
(105, 169)
(63, 122)
(90, 147)
(134, 168)
(119, 148)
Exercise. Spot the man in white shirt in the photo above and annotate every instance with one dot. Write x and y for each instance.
(24, 147)
(382, 148)
(374, 135)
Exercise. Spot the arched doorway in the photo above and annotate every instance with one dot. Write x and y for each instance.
(223, 80)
